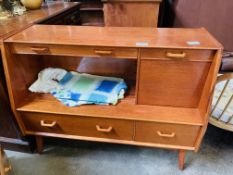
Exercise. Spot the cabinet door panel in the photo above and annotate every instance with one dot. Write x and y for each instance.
(171, 82)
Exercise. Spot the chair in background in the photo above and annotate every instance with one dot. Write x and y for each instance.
(222, 108)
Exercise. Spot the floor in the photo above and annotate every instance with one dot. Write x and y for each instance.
(89, 158)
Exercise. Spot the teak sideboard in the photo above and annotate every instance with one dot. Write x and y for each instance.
(171, 75)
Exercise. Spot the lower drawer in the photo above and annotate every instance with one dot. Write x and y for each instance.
(171, 134)
(80, 126)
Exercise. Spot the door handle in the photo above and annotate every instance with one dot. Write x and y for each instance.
(103, 52)
(106, 130)
(176, 55)
(50, 125)
(171, 135)
(40, 49)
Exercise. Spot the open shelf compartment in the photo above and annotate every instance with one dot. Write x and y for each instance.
(125, 109)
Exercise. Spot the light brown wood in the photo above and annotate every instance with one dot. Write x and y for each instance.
(79, 125)
(181, 159)
(105, 140)
(180, 83)
(105, 66)
(17, 23)
(5, 167)
(9, 27)
(131, 13)
(48, 125)
(172, 134)
(170, 83)
(126, 109)
(74, 51)
(40, 50)
(207, 94)
(177, 54)
(14, 92)
(2, 166)
(105, 130)
(3, 93)
(116, 37)
(39, 144)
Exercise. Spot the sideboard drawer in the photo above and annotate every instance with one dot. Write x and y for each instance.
(178, 54)
(80, 126)
(171, 134)
(69, 50)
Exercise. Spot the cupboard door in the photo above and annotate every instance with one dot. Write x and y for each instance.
(166, 82)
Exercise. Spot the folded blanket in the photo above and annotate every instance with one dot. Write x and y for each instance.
(76, 89)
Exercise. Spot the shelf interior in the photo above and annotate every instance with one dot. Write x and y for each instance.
(125, 109)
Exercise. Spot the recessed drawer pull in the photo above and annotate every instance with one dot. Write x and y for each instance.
(7, 169)
(166, 135)
(40, 49)
(176, 55)
(103, 52)
(107, 130)
(50, 125)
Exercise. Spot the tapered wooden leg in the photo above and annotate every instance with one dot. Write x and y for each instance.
(5, 166)
(39, 144)
(181, 159)
(2, 172)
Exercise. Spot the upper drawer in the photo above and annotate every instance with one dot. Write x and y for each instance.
(79, 126)
(177, 54)
(69, 50)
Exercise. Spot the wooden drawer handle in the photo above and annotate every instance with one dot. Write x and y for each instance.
(7, 169)
(40, 49)
(103, 52)
(50, 125)
(166, 135)
(107, 130)
(176, 55)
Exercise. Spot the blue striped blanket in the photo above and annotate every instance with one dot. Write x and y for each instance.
(76, 89)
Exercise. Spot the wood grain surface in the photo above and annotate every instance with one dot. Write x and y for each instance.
(116, 37)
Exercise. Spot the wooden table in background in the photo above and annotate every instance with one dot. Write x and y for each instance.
(47, 11)
(131, 13)
(10, 136)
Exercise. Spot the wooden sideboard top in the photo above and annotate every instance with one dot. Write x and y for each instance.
(116, 37)
(14, 24)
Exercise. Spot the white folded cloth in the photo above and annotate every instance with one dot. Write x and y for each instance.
(47, 80)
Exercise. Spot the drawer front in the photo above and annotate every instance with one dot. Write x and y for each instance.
(177, 54)
(171, 83)
(80, 126)
(87, 51)
(171, 134)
